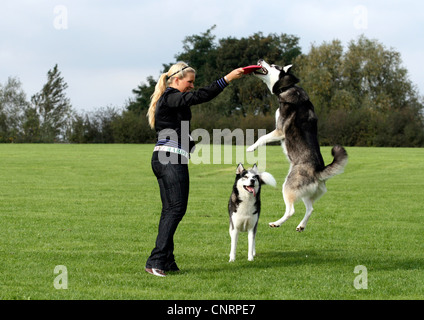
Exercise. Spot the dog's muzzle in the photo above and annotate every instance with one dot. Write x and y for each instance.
(263, 71)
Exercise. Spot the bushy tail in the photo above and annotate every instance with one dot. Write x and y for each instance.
(337, 166)
(267, 178)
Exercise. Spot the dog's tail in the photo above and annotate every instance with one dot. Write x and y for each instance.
(337, 166)
(267, 178)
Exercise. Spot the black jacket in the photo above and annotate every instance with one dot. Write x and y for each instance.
(173, 107)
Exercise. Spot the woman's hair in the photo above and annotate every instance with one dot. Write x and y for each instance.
(179, 70)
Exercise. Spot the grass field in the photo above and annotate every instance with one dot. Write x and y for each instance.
(94, 209)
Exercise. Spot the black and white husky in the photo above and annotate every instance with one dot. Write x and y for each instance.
(244, 206)
(296, 128)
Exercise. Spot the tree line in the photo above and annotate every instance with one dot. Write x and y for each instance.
(362, 96)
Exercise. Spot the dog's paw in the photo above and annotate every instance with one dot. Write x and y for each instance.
(251, 148)
(232, 259)
(250, 258)
(273, 225)
(300, 228)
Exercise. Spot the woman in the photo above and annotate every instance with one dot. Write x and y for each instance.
(169, 114)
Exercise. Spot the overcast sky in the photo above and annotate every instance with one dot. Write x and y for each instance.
(104, 49)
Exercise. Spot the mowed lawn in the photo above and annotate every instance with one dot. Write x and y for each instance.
(94, 209)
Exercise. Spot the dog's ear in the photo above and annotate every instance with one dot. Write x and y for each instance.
(240, 168)
(287, 68)
(255, 168)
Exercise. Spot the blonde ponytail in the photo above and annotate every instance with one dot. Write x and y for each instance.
(159, 90)
(178, 70)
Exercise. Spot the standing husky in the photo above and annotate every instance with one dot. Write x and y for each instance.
(245, 205)
(296, 128)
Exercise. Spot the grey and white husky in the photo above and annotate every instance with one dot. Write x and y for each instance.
(244, 206)
(296, 128)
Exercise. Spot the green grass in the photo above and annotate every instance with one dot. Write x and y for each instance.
(95, 209)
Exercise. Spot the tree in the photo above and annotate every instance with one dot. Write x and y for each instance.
(94, 127)
(362, 96)
(31, 126)
(53, 108)
(142, 97)
(199, 51)
(13, 111)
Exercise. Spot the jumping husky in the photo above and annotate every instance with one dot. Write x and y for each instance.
(296, 128)
(244, 206)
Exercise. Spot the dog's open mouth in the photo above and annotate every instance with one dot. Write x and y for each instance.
(263, 71)
(250, 190)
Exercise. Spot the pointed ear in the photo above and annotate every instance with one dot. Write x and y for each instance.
(240, 168)
(287, 68)
(255, 168)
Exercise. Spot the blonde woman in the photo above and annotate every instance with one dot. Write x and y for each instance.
(170, 114)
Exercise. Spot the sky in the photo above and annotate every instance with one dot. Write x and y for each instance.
(105, 49)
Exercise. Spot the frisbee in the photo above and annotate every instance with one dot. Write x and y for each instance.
(250, 69)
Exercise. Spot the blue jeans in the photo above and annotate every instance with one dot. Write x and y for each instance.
(173, 179)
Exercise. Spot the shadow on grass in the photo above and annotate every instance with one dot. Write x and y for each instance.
(302, 259)
(268, 260)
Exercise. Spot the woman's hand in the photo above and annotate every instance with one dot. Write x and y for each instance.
(235, 74)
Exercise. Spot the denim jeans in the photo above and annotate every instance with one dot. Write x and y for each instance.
(173, 179)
